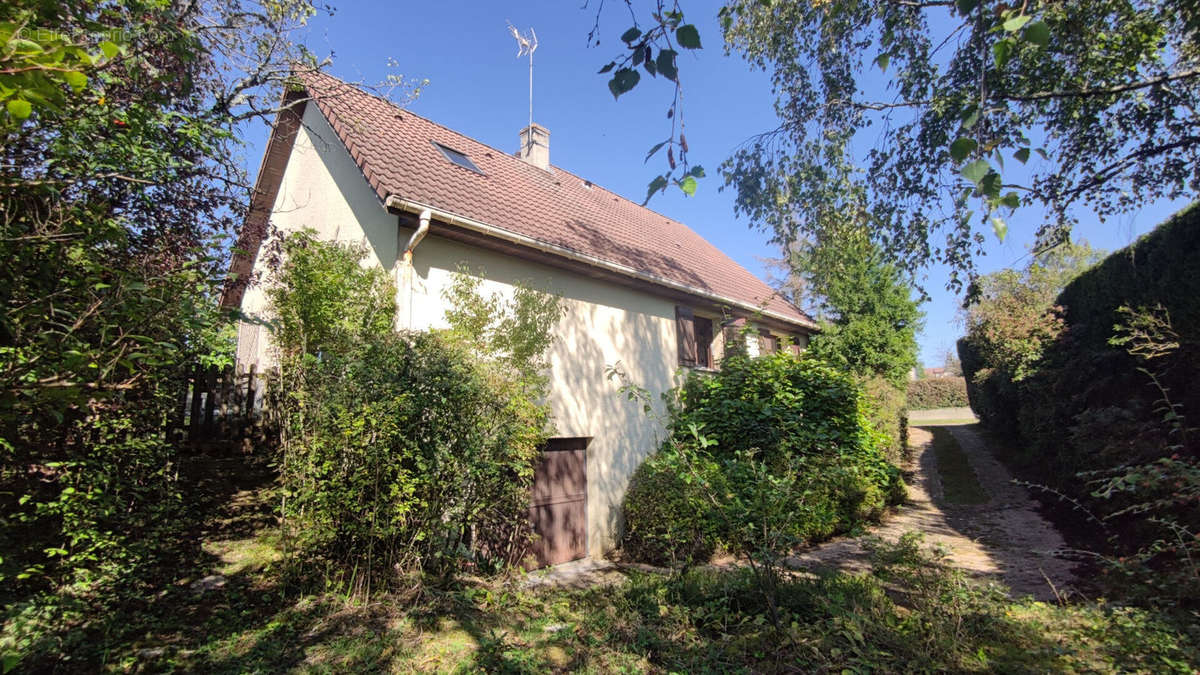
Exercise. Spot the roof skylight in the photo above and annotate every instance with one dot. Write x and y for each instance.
(457, 157)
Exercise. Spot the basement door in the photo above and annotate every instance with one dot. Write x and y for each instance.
(558, 511)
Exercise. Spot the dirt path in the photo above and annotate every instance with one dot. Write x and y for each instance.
(1004, 538)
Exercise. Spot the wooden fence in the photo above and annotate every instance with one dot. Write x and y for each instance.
(219, 403)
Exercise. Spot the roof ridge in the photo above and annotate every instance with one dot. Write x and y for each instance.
(382, 99)
(504, 153)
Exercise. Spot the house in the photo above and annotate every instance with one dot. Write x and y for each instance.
(640, 289)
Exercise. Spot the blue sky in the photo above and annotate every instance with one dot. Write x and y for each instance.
(478, 87)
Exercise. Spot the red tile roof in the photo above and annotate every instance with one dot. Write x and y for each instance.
(394, 149)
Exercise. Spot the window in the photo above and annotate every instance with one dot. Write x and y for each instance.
(767, 343)
(733, 335)
(704, 338)
(457, 157)
(694, 335)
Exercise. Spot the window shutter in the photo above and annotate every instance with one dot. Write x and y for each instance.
(704, 338)
(685, 329)
(766, 342)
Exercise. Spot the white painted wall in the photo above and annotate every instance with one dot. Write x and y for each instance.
(605, 323)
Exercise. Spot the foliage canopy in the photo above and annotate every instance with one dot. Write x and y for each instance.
(973, 109)
(1016, 316)
(118, 133)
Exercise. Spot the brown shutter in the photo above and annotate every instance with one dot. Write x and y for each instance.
(766, 342)
(704, 338)
(685, 329)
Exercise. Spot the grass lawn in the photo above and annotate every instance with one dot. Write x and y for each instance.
(909, 613)
(960, 485)
(943, 422)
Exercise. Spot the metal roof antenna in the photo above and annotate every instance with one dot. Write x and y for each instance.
(526, 44)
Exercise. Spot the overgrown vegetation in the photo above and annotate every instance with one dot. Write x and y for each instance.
(119, 177)
(912, 612)
(1100, 405)
(937, 392)
(403, 451)
(766, 455)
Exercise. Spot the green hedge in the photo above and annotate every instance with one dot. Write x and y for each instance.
(1082, 373)
(941, 392)
(1090, 414)
(1160, 268)
(888, 412)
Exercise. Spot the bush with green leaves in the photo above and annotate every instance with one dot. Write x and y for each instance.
(779, 405)
(403, 451)
(937, 392)
(765, 455)
(887, 408)
(669, 518)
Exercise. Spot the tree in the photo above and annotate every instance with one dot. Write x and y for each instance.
(119, 175)
(1089, 103)
(1015, 316)
(869, 318)
(951, 363)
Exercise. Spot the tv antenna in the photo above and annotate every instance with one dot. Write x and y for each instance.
(526, 44)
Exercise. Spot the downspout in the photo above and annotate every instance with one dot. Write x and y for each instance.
(404, 273)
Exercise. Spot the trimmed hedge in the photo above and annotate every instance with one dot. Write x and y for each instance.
(888, 411)
(1089, 412)
(941, 392)
(1081, 373)
(1160, 268)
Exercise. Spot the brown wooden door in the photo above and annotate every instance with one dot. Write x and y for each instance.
(559, 507)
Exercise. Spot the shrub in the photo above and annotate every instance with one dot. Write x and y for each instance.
(669, 518)
(396, 449)
(409, 451)
(777, 405)
(765, 455)
(888, 411)
(941, 392)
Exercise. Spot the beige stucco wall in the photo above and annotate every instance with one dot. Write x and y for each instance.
(605, 324)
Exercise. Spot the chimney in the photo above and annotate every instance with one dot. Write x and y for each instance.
(535, 146)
